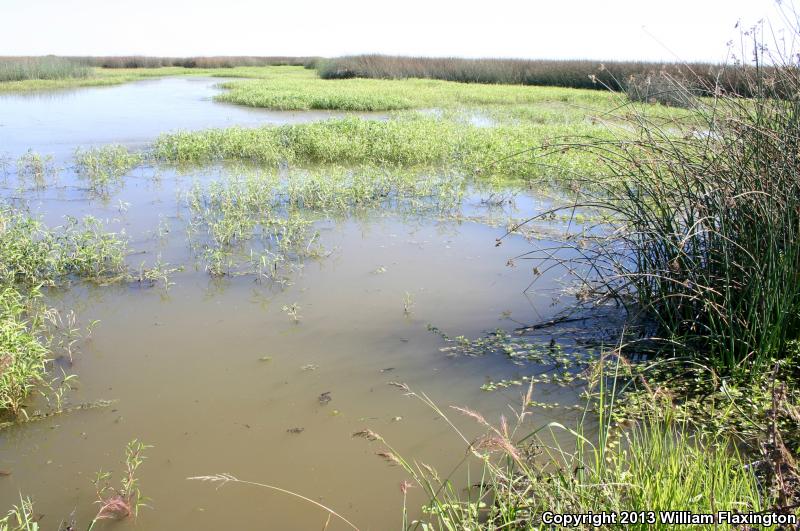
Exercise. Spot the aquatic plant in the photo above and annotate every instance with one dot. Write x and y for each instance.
(125, 501)
(23, 355)
(293, 311)
(410, 140)
(104, 166)
(262, 221)
(34, 254)
(408, 303)
(115, 503)
(36, 167)
(291, 88)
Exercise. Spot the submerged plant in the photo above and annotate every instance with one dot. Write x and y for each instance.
(408, 303)
(293, 311)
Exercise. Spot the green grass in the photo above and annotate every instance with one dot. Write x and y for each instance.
(34, 256)
(294, 88)
(36, 169)
(115, 503)
(408, 140)
(524, 470)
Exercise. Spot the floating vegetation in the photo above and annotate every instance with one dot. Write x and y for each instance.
(550, 361)
(324, 398)
(408, 303)
(104, 166)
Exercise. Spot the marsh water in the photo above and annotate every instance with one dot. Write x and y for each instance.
(215, 375)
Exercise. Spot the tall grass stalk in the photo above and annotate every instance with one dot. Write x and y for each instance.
(50, 67)
(579, 73)
(223, 479)
(596, 466)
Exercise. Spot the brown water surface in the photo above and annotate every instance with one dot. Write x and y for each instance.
(217, 377)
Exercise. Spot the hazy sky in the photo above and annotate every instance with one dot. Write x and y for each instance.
(626, 29)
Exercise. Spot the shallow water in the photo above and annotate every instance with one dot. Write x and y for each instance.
(186, 369)
(131, 114)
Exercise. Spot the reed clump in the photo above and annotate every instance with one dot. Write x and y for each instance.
(705, 244)
(50, 67)
(585, 74)
(217, 61)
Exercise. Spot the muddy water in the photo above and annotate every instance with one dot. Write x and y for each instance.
(217, 377)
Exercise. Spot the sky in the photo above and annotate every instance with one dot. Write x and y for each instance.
(674, 30)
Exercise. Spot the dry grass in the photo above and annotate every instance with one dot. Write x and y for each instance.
(217, 61)
(587, 74)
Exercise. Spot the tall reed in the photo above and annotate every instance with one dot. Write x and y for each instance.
(50, 67)
(141, 61)
(575, 73)
(705, 244)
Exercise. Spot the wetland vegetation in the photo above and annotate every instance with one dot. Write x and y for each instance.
(680, 223)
